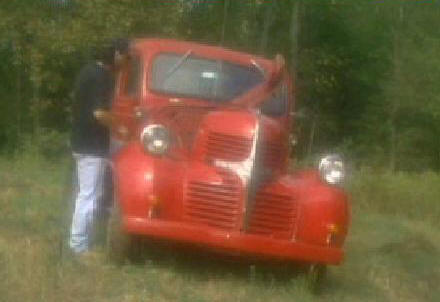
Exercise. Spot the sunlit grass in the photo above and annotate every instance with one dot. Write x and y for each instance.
(392, 255)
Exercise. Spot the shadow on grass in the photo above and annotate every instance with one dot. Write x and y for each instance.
(201, 263)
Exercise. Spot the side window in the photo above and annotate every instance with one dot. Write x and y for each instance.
(133, 78)
(276, 105)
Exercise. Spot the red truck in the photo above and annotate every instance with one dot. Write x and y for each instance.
(206, 158)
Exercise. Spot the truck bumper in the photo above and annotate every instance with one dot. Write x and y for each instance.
(234, 242)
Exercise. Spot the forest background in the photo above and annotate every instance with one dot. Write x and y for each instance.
(367, 71)
(367, 74)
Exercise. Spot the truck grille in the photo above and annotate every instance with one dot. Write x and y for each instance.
(227, 147)
(273, 215)
(216, 205)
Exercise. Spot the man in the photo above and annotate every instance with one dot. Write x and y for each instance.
(93, 91)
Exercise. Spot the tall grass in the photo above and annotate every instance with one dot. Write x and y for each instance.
(414, 196)
(392, 249)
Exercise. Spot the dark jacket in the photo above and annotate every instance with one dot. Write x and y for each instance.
(93, 90)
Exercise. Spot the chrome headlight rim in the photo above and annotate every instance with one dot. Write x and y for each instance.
(155, 139)
(332, 169)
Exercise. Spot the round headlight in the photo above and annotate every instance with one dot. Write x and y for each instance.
(332, 169)
(155, 139)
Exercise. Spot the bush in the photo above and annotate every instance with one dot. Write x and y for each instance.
(48, 143)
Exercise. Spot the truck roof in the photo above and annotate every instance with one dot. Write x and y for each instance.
(216, 52)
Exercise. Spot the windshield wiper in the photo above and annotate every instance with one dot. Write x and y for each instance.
(179, 63)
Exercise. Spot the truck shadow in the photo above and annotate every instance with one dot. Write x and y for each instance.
(201, 263)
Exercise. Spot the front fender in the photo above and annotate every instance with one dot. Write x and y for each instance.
(133, 178)
(324, 212)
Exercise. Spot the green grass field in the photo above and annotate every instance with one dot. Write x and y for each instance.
(393, 250)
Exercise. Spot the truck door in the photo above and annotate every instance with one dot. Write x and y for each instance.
(127, 98)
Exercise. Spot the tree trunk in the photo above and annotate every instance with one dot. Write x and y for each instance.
(294, 32)
(225, 19)
(18, 84)
(395, 99)
(312, 135)
(268, 19)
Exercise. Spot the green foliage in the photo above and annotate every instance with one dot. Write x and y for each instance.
(48, 144)
(44, 43)
(366, 71)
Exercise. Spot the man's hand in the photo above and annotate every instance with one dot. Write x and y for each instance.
(107, 119)
(104, 117)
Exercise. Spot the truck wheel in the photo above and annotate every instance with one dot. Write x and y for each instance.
(316, 276)
(121, 246)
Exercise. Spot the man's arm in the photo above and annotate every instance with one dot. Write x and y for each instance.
(102, 111)
(107, 119)
(102, 100)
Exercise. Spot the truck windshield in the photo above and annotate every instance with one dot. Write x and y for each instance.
(191, 76)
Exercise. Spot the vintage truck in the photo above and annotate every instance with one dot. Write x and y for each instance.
(206, 158)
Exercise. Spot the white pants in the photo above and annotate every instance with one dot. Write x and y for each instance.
(90, 182)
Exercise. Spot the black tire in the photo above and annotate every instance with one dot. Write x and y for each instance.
(121, 246)
(316, 277)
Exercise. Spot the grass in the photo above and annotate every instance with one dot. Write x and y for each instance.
(392, 249)
(412, 196)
